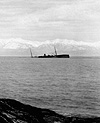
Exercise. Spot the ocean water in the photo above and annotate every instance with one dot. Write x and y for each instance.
(67, 86)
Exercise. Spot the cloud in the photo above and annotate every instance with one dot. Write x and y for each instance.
(80, 11)
(50, 19)
(71, 20)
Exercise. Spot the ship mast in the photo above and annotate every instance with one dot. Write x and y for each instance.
(55, 51)
(31, 53)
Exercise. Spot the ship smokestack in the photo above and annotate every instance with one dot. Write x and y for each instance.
(55, 50)
(31, 53)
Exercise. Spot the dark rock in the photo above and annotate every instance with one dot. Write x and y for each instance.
(12, 111)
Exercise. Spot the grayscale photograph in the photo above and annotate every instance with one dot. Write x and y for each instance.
(49, 61)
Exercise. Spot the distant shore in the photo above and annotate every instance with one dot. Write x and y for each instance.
(12, 111)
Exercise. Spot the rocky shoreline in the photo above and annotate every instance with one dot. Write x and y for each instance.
(12, 111)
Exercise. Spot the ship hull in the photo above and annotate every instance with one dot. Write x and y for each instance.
(56, 56)
(62, 56)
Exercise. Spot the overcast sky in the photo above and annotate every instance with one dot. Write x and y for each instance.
(42, 20)
(50, 19)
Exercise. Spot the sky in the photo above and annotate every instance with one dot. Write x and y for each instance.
(43, 22)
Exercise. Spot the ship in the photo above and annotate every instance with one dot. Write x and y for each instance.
(51, 56)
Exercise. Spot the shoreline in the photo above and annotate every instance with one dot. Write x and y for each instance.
(13, 111)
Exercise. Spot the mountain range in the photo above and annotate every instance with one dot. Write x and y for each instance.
(21, 47)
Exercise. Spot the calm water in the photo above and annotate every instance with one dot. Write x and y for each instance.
(68, 86)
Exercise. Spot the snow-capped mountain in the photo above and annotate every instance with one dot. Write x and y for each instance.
(62, 46)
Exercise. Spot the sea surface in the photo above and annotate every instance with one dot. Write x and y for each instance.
(67, 86)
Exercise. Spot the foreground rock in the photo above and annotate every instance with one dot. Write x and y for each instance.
(12, 111)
